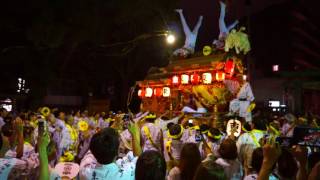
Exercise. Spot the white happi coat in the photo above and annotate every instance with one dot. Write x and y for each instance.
(242, 102)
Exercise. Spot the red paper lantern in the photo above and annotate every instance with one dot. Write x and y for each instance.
(184, 79)
(195, 78)
(166, 92)
(141, 93)
(175, 80)
(220, 76)
(157, 92)
(229, 67)
(206, 78)
(149, 92)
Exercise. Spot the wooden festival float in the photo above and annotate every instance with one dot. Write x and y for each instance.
(214, 78)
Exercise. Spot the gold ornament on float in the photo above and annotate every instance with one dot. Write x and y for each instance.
(207, 50)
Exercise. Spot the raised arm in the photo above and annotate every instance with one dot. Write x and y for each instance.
(185, 26)
(43, 141)
(19, 131)
(135, 134)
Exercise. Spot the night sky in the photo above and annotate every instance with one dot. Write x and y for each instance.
(60, 47)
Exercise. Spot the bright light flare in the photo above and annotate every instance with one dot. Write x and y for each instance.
(171, 38)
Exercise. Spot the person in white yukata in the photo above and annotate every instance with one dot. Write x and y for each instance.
(213, 140)
(174, 143)
(76, 119)
(223, 28)
(242, 102)
(228, 159)
(191, 36)
(288, 127)
(15, 163)
(249, 141)
(125, 143)
(100, 162)
(151, 134)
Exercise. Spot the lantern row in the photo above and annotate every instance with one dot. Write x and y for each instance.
(195, 78)
(226, 71)
(207, 78)
(158, 92)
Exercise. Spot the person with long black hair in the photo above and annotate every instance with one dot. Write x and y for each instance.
(189, 161)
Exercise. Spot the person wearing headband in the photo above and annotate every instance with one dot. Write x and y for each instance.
(214, 138)
(152, 138)
(174, 144)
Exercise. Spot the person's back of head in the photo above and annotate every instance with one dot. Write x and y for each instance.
(313, 159)
(176, 131)
(3, 112)
(169, 125)
(259, 123)
(204, 128)
(214, 134)
(287, 165)
(7, 129)
(104, 145)
(150, 166)
(257, 158)
(190, 158)
(228, 149)
(151, 117)
(210, 170)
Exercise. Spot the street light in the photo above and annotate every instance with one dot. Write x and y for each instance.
(170, 38)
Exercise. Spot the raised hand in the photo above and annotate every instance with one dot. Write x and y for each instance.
(134, 129)
(44, 140)
(301, 154)
(18, 123)
(271, 153)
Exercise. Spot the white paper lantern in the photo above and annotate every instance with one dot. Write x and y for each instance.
(166, 92)
(184, 79)
(235, 126)
(206, 78)
(149, 92)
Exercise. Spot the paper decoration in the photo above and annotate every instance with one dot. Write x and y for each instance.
(234, 126)
(67, 170)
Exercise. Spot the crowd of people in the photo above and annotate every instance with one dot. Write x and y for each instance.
(149, 146)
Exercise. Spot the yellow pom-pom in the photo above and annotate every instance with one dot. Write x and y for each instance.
(83, 125)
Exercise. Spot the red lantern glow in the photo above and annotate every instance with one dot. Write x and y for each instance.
(157, 92)
(175, 80)
(141, 93)
(220, 76)
(195, 78)
(184, 79)
(229, 67)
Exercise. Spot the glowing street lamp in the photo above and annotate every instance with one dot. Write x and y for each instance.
(170, 38)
